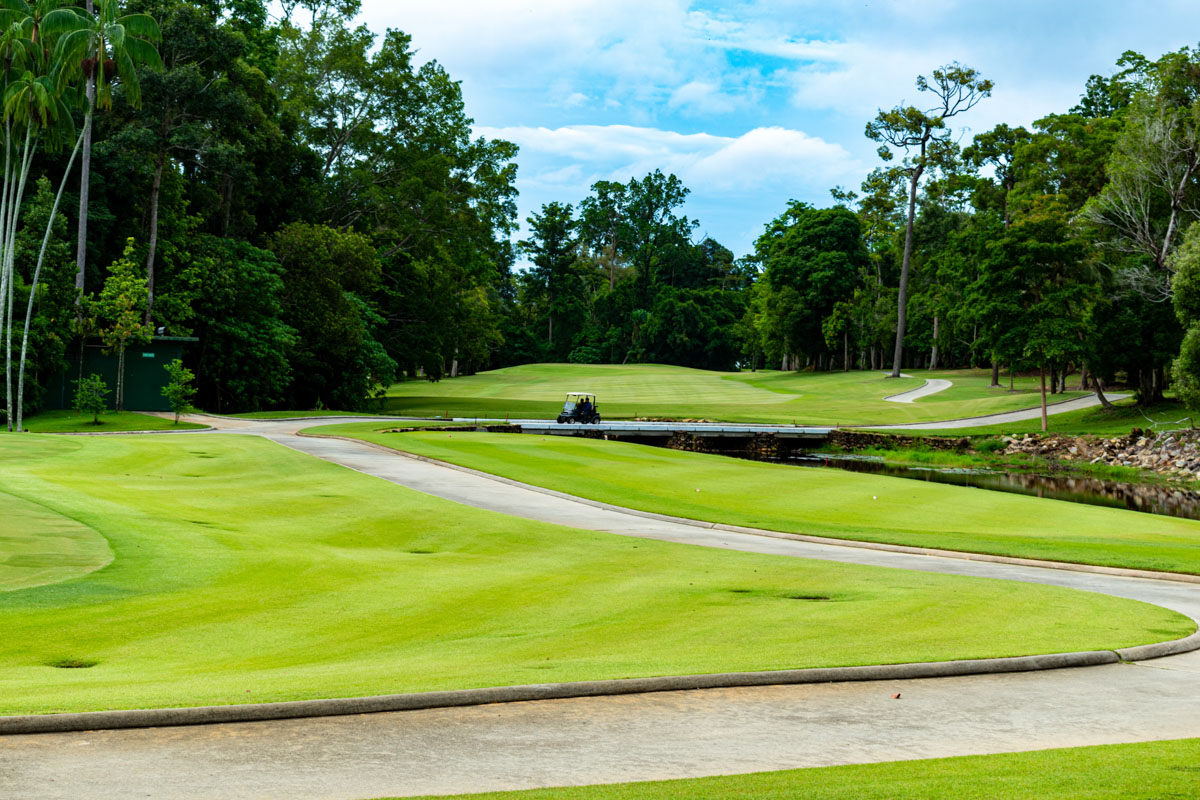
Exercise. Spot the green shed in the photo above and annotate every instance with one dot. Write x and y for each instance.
(144, 373)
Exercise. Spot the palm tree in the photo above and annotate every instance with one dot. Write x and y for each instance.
(19, 56)
(102, 46)
(47, 39)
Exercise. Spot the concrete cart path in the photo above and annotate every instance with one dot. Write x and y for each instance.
(640, 737)
(1076, 404)
(932, 386)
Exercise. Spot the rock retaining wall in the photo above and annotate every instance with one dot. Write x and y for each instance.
(860, 440)
(1171, 452)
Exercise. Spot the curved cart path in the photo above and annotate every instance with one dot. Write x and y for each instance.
(932, 386)
(1076, 404)
(637, 737)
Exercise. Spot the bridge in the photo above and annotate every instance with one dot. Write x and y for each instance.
(769, 441)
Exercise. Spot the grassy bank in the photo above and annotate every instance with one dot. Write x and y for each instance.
(1145, 771)
(248, 572)
(823, 502)
(657, 391)
(66, 421)
(996, 459)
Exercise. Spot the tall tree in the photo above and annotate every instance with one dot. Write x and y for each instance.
(925, 139)
(122, 305)
(103, 46)
(811, 262)
(551, 247)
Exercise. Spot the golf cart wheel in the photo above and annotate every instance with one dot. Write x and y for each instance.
(596, 420)
(570, 420)
(560, 422)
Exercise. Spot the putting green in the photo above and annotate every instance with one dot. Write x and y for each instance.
(1144, 771)
(39, 546)
(247, 572)
(833, 503)
(657, 391)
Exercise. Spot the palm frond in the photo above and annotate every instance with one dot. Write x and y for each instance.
(142, 26)
(143, 53)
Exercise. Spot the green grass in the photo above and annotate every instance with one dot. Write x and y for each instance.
(656, 391)
(39, 546)
(291, 414)
(824, 502)
(1144, 771)
(66, 421)
(248, 572)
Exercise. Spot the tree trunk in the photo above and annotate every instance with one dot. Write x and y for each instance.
(155, 191)
(85, 180)
(37, 272)
(995, 375)
(120, 378)
(846, 349)
(1145, 386)
(902, 298)
(933, 358)
(1100, 393)
(17, 194)
(1042, 374)
(1083, 377)
(1012, 378)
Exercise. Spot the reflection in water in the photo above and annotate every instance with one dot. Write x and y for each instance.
(1171, 501)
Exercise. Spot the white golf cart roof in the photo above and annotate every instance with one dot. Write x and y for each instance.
(581, 394)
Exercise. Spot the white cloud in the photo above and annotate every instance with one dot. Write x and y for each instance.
(762, 157)
(705, 98)
(634, 45)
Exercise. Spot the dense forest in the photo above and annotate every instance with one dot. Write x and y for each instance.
(310, 204)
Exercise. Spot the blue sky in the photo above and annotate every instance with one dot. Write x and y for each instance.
(751, 103)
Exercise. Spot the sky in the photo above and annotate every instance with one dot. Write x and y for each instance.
(752, 103)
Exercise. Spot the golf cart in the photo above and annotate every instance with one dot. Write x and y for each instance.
(580, 407)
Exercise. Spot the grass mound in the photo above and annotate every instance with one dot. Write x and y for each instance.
(39, 546)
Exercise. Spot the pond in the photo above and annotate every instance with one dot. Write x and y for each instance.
(1167, 500)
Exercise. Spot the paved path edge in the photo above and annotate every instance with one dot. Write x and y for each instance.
(255, 712)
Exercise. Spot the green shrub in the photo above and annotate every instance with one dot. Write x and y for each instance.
(90, 394)
(989, 446)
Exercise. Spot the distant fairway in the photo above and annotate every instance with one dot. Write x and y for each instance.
(248, 572)
(656, 391)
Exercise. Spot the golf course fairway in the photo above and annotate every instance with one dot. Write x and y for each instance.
(247, 572)
(833, 503)
(661, 391)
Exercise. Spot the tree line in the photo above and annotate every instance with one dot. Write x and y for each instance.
(292, 190)
(299, 195)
